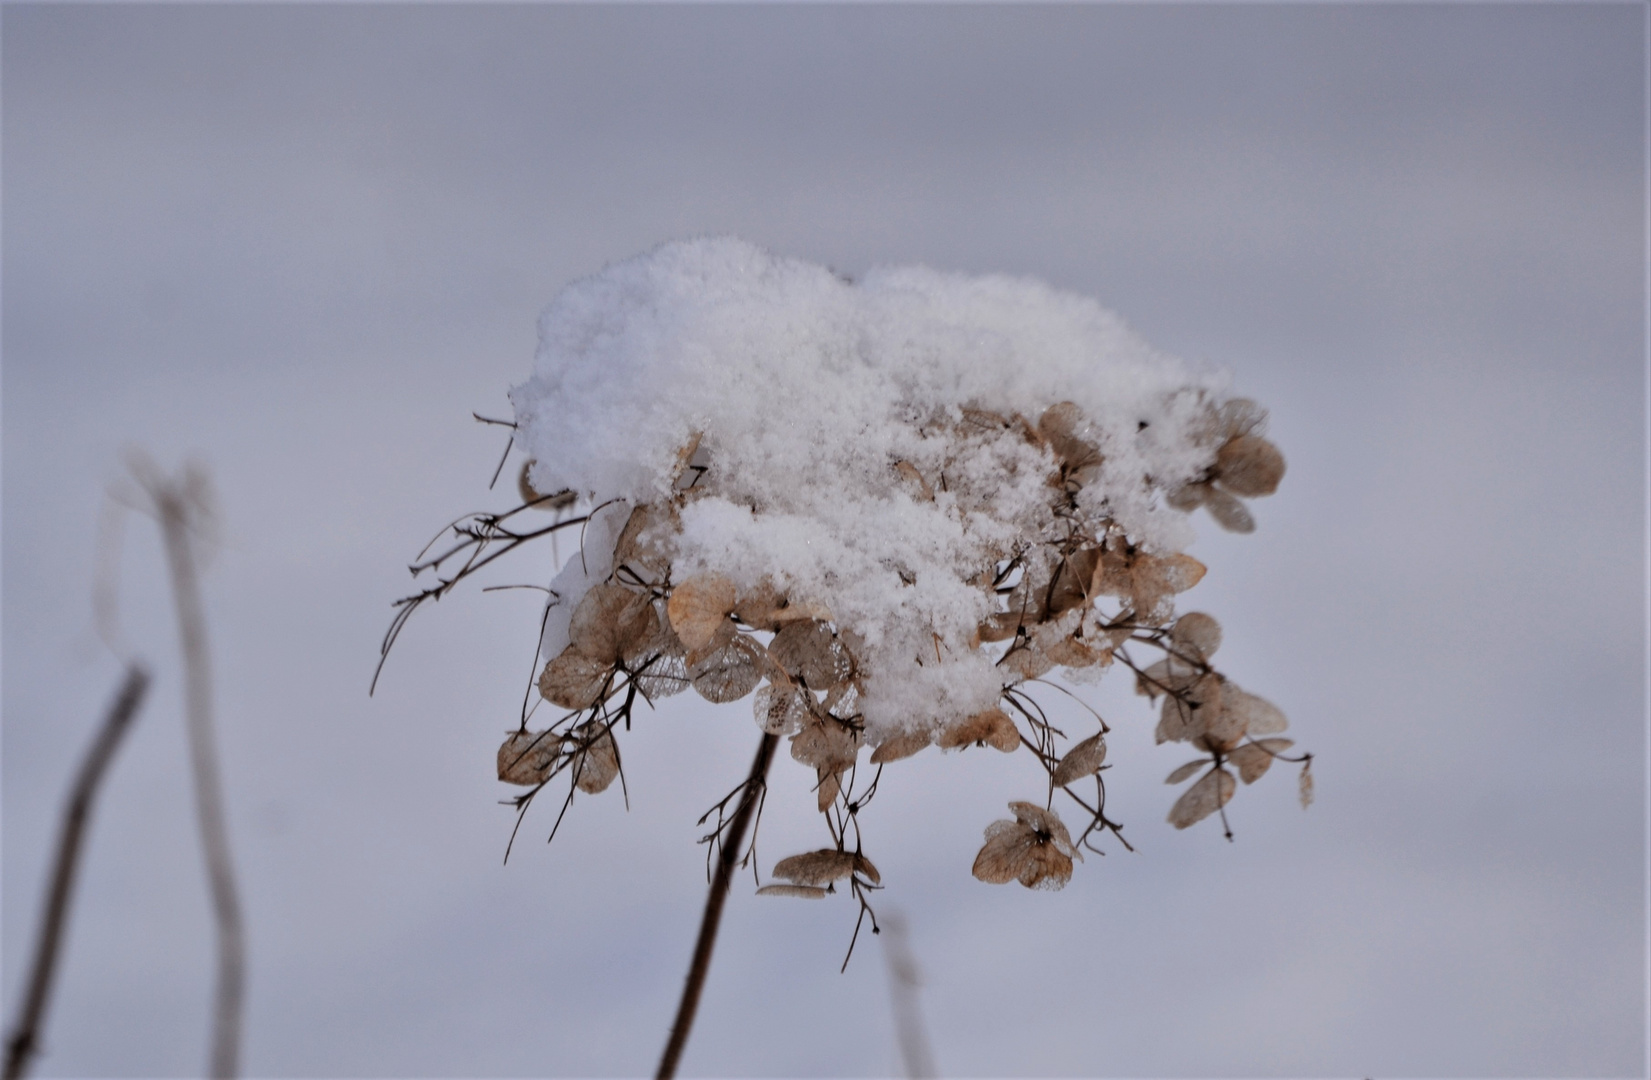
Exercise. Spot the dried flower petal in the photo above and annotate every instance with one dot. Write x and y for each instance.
(816, 867)
(1034, 849)
(596, 762)
(810, 892)
(900, 746)
(527, 757)
(1186, 715)
(1203, 798)
(661, 676)
(729, 673)
(1082, 760)
(909, 472)
(828, 782)
(574, 680)
(1257, 715)
(1228, 512)
(1304, 787)
(1251, 761)
(808, 650)
(1249, 465)
(1196, 635)
(826, 743)
(780, 708)
(756, 607)
(992, 727)
(1186, 771)
(612, 622)
(699, 607)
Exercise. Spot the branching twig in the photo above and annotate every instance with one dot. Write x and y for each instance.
(731, 840)
(24, 1039)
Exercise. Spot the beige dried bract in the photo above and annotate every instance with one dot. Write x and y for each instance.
(901, 746)
(1256, 715)
(1249, 465)
(574, 680)
(824, 867)
(1204, 798)
(780, 708)
(729, 673)
(613, 623)
(1252, 760)
(826, 743)
(1196, 636)
(595, 757)
(1186, 714)
(991, 727)
(699, 610)
(1034, 849)
(808, 650)
(808, 892)
(527, 757)
(1082, 760)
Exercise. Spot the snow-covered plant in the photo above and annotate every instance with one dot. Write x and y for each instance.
(886, 511)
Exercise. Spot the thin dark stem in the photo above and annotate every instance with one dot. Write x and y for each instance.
(731, 841)
(77, 812)
(176, 519)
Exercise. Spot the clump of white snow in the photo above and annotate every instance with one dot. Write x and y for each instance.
(891, 455)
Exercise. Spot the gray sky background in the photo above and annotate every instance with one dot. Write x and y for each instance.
(305, 242)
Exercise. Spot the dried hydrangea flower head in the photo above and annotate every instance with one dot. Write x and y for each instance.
(888, 512)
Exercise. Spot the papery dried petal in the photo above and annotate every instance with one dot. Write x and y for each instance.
(901, 746)
(1203, 798)
(1228, 512)
(596, 761)
(638, 545)
(909, 472)
(1196, 635)
(1258, 715)
(1073, 581)
(810, 892)
(729, 673)
(1188, 498)
(820, 867)
(661, 676)
(1046, 823)
(1186, 715)
(808, 650)
(865, 869)
(756, 607)
(612, 622)
(1239, 416)
(826, 744)
(1249, 465)
(1251, 761)
(1061, 425)
(1082, 760)
(991, 727)
(1186, 771)
(527, 757)
(828, 783)
(1001, 857)
(698, 607)
(1027, 661)
(780, 708)
(574, 680)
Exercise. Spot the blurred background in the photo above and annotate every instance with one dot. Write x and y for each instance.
(303, 243)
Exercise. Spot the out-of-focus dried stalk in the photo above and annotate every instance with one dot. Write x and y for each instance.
(904, 983)
(24, 1039)
(180, 508)
(731, 841)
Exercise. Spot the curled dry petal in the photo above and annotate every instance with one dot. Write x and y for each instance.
(526, 757)
(612, 623)
(1061, 426)
(1196, 635)
(989, 728)
(1251, 761)
(1203, 798)
(574, 680)
(900, 746)
(810, 892)
(828, 782)
(699, 607)
(1249, 465)
(817, 867)
(1082, 760)
(729, 673)
(808, 650)
(596, 762)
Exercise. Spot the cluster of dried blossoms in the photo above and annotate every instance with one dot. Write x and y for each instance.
(1069, 592)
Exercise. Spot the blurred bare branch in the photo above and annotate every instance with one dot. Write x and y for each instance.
(905, 981)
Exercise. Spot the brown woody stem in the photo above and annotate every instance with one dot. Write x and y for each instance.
(731, 841)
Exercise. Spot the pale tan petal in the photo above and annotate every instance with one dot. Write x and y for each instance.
(596, 761)
(826, 743)
(1186, 771)
(661, 676)
(1178, 573)
(1240, 416)
(1082, 760)
(1045, 867)
(826, 788)
(756, 607)
(1275, 746)
(809, 651)
(1188, 498)
(1259, 716)
(1196, 635)
(780, 708)
(919, 486)
(809, 892)
(1045, 824)
(1228, 512)
(638, 547)
(992, 727)
(1027, 661)
(574, 680)
(1074, 581)
(1005, 852)
(803, 609)
(820, 867)
(865, 869)
(901, 746)
(731, 672)
(1251, 761)
(1203, 798)
(1062, 427)
(1250, 466)
(698, 608)
(526, 757)
(1186, 716)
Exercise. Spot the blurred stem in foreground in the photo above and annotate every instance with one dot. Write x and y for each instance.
(24, 1039)
(184, 509)
(905, 979)
(730, 857)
